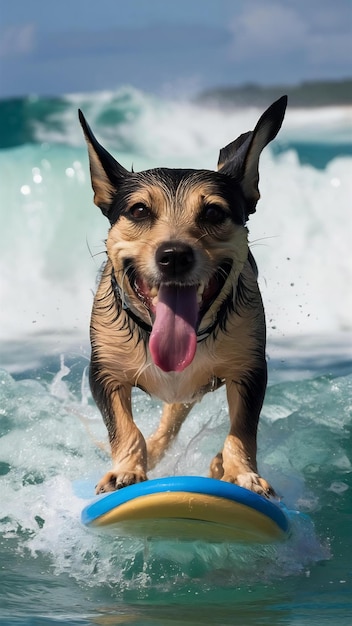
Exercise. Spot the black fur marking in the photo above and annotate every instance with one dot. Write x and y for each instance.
(111, 303)
(171, 180)
(100, 393)
(105, 304)
(117, 293)
(246, 295)
(253, 264)
(252, 390)
(220, 321)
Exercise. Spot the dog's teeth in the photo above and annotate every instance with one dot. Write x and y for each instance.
(153, 292)
(155, 301)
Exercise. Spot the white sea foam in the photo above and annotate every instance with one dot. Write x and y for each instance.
(51, 454)
(164, 129)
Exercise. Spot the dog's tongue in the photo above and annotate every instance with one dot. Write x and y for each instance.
(173, 340)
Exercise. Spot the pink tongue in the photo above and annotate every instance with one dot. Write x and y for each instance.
(173, 340)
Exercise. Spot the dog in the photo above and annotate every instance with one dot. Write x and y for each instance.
(178, 312)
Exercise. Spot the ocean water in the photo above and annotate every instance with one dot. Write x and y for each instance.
(53, 444)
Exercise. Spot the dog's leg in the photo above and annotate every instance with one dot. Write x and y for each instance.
(237, 462)
(128, 449)
(171, 421)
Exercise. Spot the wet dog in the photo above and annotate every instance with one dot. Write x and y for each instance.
(178, 311)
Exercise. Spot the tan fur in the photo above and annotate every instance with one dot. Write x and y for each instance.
(205, 214)
(225, 357)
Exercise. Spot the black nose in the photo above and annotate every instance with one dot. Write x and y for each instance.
(174, 259)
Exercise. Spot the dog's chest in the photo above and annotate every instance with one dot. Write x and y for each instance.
(180, 387)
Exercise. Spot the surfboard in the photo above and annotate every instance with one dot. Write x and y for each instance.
(189, 508)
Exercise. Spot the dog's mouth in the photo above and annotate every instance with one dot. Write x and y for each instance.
(177, 311)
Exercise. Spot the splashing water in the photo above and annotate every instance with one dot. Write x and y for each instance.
(53, 444)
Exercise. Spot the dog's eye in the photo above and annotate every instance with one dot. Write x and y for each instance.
(213, 214)
(139, 212)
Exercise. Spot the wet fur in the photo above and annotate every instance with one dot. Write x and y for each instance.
(207, 212)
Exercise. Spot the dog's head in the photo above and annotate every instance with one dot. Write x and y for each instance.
(178, 239)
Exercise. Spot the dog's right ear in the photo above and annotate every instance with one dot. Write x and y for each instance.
(106, 173)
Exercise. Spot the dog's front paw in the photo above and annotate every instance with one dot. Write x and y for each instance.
(253, 482)
(118, 479)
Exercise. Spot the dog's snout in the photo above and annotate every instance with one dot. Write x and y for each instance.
(174, 259)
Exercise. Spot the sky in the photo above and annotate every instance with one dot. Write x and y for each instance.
(170, 47)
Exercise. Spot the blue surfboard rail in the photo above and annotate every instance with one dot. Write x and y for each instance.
(187, 484)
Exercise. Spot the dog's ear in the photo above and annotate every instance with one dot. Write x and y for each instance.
(106, 173)
(240, 159)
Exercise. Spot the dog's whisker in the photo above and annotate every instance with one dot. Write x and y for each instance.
(93, 255)
(102, 252)
(201, 237)
(256, 242)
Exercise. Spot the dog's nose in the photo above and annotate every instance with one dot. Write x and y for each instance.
(174, 259)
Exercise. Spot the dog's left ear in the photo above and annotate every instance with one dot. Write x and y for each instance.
(240, 159)
(106, 173)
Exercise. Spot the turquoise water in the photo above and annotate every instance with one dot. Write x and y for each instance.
(52, 569)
